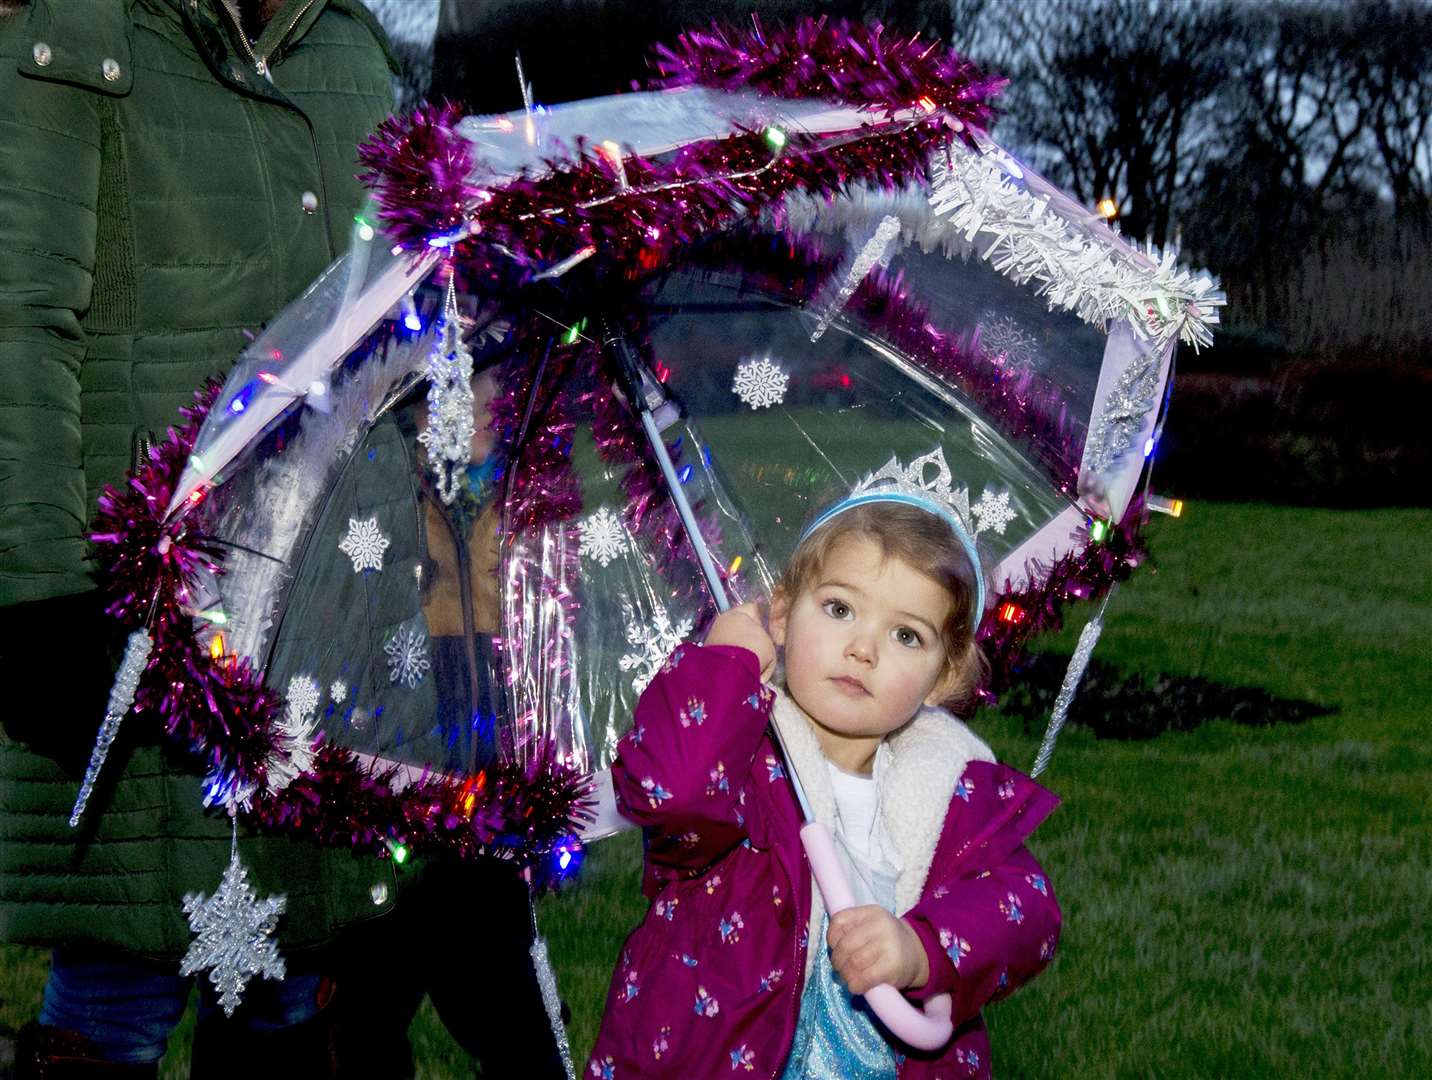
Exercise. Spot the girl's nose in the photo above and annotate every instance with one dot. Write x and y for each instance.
(860, 648)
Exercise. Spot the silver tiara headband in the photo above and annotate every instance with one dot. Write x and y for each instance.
(914, 485)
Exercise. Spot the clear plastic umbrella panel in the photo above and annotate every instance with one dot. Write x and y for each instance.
(440, 576)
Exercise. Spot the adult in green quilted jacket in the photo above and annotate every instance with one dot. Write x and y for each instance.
(173, 172)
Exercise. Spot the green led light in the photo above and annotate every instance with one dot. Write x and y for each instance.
(776, 137)
(1098, 530)
(574, 332)
(399, 852)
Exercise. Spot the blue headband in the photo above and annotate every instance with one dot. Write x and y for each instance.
(930, 506)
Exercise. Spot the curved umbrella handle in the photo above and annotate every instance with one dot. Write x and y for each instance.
(929, 1029)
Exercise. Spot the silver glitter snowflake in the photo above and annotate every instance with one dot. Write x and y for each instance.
(651, 644)
(448, 435)
(364, 544)
(1121, 420)
(234, 939)
(407, 657)
(338, 691)
(1001, 338)
(603, 537)
(993, 511)
(760, 383)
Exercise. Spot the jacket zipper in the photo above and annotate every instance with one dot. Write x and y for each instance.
(260, 63)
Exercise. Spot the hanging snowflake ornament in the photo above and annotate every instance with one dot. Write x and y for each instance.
(234, 934)
(760, 383)
(407, 657)
(364, 544)
(651, 644)
(603, 537)
(338, 691)
(992, 511)
(448, 435)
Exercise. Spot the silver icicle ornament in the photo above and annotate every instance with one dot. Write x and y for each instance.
(121, 699)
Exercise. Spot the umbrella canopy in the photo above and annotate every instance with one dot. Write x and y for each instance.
(747, 300)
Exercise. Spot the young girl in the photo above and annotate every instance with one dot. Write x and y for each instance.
(737, 967)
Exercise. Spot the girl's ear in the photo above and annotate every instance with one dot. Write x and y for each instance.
(780, 610)
(946, 686)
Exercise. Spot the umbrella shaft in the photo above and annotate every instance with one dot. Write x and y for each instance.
(688, 517)
(709, 571)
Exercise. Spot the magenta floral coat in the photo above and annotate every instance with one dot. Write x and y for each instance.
(710, 983)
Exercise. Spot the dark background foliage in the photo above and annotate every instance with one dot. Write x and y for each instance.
(1283, 144)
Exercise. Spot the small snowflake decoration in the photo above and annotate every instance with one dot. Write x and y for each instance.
(364, 544)
(1002, 340)
(303, 695)
(338, 691)
(760, 383)
(603, 537)
(293, 741)
(993, 511)
(234, 939)
(650, 645)
(407, 657)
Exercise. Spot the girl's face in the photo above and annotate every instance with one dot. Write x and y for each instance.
(863, 648)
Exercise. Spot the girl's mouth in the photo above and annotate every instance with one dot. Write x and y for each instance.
(850, 685)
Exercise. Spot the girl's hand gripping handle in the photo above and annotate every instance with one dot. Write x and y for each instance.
(927, 1030)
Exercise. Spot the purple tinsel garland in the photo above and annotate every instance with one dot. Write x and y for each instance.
(835, 60)
(420, 171)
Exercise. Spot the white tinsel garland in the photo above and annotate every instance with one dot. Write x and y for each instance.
(1023, 237)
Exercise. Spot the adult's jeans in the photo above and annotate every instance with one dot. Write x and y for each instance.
(129, 1007)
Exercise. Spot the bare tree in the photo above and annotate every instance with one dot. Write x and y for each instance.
(1112, 98)
(1389, 43)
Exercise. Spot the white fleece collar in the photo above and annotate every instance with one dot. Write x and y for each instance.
(916, 770)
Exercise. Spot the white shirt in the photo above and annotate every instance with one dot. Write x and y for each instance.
(866, 853)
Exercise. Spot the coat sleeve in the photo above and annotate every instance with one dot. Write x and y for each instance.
(991, 923)
(49, 188)
(680, 771)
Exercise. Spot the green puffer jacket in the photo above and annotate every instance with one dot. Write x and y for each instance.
(158, 195)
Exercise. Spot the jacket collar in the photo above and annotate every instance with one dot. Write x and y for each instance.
(916, 770)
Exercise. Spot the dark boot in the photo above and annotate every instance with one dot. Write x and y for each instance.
(47, 1053)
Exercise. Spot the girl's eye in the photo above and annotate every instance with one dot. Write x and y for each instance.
(911, 638)
(837, 609)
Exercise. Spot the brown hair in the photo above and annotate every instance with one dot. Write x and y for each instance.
(925, 543)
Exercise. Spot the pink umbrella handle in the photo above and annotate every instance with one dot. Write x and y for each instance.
(925, 1030)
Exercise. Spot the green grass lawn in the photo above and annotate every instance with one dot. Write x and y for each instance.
(1238, 901)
